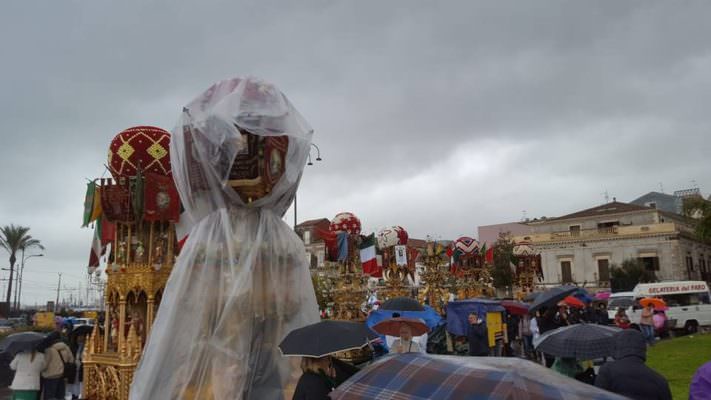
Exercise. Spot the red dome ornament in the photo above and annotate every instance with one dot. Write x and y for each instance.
(391, 236)
(146, 146)
(466, 246)
(345, 222)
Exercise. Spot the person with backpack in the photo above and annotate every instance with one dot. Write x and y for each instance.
(60, 366)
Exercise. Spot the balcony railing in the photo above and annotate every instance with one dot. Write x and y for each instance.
(604, 232)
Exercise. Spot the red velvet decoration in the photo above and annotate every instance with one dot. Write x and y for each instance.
(144, 146)
(160, 200)
(116, 201)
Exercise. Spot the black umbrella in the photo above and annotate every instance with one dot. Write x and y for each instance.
(82, 330)
(579, 341)
(21, 341)
(551, 297)
(326, 337)
(402, 304)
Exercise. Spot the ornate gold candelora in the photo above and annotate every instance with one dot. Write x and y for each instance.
(435, 278)
(395, 276)
(137, 271)
(528, 268)
(472, 278)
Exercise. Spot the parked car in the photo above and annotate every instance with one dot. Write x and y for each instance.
(6, 326)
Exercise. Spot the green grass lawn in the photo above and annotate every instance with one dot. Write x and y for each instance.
(677, 359)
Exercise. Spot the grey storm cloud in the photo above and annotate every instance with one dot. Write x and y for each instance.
(435, 116)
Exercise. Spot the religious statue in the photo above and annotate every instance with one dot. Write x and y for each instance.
(242, 281)
(140, 251)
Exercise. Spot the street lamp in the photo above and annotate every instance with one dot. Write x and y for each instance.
(318, 158)
(18, 284)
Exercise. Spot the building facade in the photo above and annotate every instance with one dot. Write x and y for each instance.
(582, 247)
(315, 247)
(489, 234)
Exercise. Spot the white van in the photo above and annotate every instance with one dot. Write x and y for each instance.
(689, 302)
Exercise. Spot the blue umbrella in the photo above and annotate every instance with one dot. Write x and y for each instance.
(583, 295)
(429, 316)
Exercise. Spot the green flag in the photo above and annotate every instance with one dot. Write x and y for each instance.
(89, 202)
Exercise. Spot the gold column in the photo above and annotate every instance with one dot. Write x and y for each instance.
(150, 245)
(107, 317)
(122, 323)
(128, 246)
(149, 315)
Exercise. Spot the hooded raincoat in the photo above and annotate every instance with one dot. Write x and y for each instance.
(628, 375)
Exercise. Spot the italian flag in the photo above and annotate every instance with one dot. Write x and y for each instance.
(367, 257)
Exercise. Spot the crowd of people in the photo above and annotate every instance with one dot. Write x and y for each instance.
(52, 370)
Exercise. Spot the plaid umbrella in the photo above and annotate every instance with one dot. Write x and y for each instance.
(579, 341)
(415, 376)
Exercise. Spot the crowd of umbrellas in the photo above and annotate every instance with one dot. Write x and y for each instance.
(419, 375)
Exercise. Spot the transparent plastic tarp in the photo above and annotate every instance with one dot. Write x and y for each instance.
(241, 281)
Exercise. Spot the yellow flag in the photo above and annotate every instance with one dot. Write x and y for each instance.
(96, 210)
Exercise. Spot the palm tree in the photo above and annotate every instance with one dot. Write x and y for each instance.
(13, 239)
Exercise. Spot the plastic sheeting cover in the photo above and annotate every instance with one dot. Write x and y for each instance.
(241, 282)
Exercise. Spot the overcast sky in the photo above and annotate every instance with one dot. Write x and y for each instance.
(436, 118)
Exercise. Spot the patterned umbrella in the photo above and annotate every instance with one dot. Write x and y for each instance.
(579, 341)
(415, 376)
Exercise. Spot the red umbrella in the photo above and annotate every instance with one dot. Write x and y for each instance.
(391, 327)
(515, 307)
(574, 302)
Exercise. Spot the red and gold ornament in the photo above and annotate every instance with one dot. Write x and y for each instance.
(144, 146)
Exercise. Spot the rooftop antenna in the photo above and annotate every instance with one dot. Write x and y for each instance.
(661, 187)
(606, 195)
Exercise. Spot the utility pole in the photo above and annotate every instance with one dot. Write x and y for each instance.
(56, 303)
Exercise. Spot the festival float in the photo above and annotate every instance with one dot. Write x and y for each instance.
(135, 213)
(471, 275)
(528, 268)
(435, 277)
(398, 263)
(348, 284)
